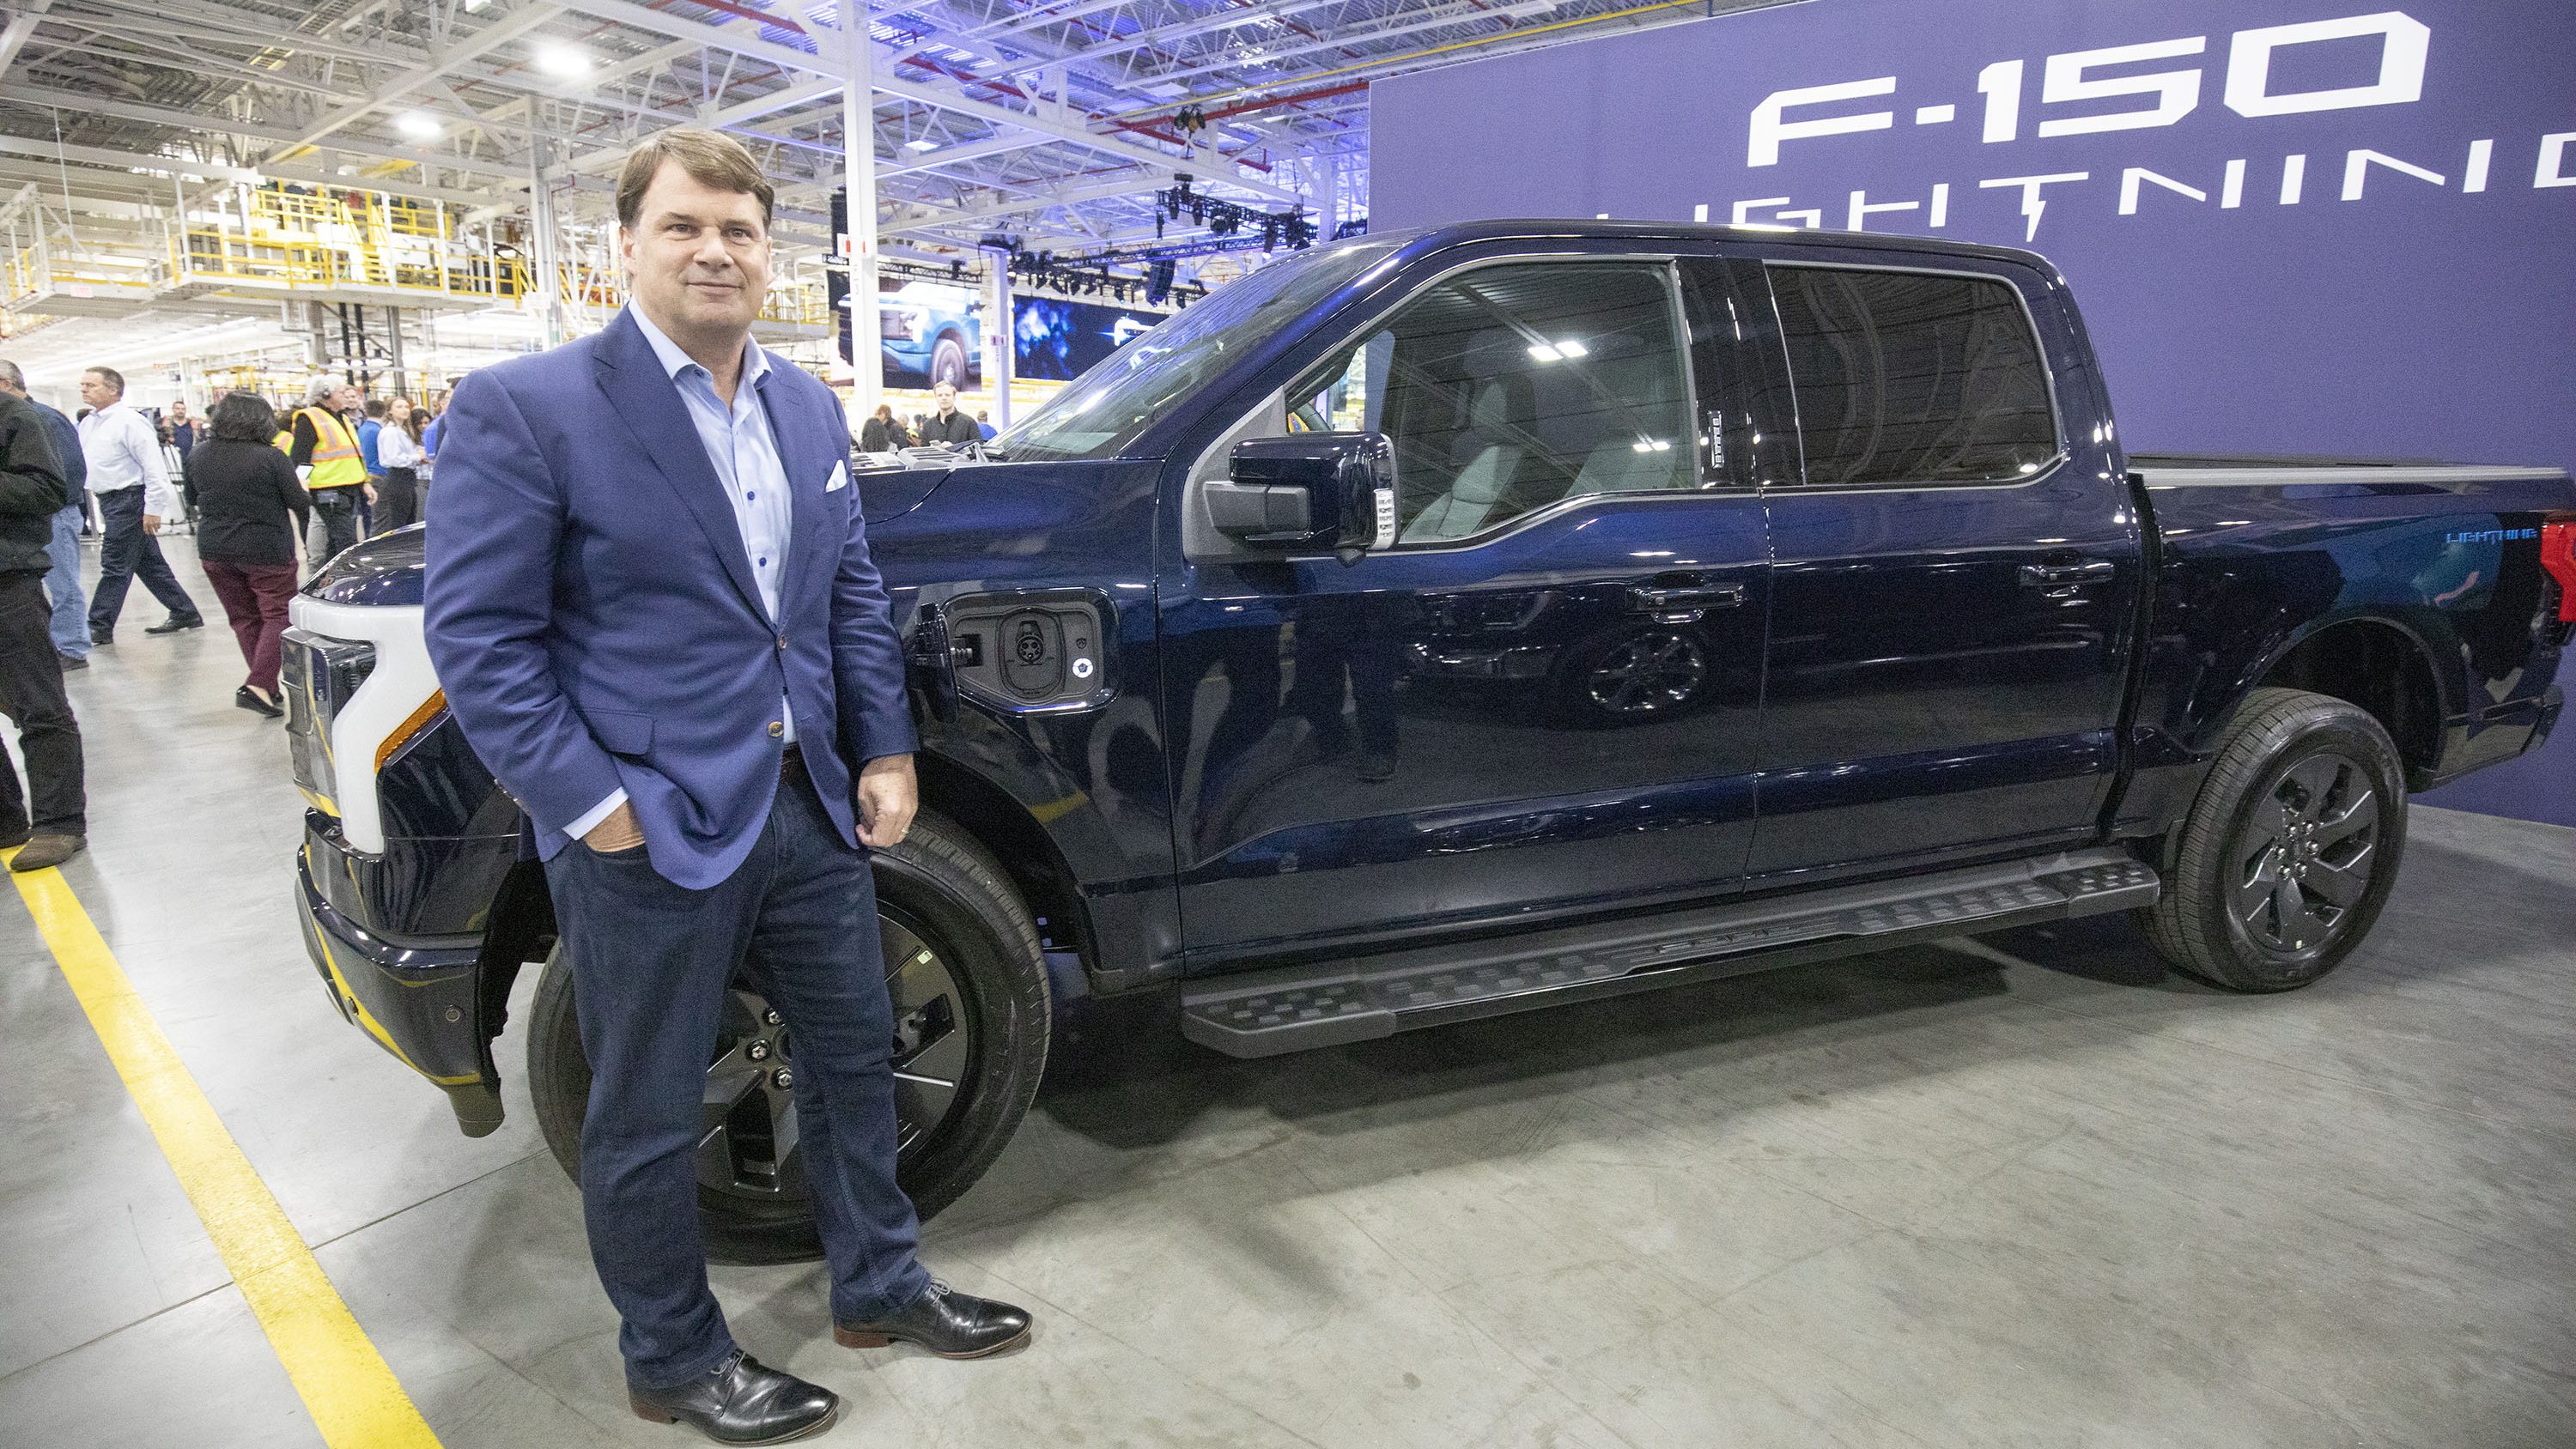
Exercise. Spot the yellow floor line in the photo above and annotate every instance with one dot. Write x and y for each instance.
(352, 1396)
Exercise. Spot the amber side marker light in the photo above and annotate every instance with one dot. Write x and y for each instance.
(430, 709)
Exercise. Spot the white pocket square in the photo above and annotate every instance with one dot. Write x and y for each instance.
(840, 478)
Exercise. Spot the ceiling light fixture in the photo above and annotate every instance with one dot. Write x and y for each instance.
(565, 61)
(418, 126)
(921, 143)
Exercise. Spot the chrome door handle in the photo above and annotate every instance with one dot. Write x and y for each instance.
(1680, 598)
(2058, 576)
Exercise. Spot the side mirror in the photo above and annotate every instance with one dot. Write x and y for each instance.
(1308, 491)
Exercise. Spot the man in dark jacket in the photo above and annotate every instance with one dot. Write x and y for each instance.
(948, 425)
(32, 491)
(71, 606)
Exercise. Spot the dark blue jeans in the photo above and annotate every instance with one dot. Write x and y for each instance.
(63, 585)
(127, 553)
(651, 963)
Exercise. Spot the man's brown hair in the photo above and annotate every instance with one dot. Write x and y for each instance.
(711, 158)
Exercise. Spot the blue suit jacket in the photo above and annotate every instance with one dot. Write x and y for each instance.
(593, 617)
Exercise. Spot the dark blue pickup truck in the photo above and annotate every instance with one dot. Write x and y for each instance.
(1472, 620)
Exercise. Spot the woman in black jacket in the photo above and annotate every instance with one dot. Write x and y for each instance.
(882, 434)
(250, 512)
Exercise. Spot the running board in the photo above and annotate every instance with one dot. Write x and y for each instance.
(1266, 1013)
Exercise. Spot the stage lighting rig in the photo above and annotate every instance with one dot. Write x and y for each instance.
(1225, 218)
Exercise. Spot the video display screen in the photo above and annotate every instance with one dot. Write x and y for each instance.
(1054, 340)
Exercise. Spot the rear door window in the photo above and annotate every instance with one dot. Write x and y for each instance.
(1913, 378)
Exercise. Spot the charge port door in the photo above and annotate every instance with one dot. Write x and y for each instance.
(1031, 653)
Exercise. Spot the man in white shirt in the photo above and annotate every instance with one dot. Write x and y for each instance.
(132, 486)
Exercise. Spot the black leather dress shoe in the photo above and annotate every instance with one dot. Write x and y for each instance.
(174, 624)
(946, 1322)
(741, 1402)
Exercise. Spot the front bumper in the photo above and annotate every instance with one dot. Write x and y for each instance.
(417, 1002)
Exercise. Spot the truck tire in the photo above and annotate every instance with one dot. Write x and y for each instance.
(2290, 848)
(970, 998)
(948, 361)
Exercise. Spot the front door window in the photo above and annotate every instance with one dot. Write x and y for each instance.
(1510, 389)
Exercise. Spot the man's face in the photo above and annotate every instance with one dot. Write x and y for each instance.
(178, 412)
(698, 256)
(946, 392)
(346, 398)
(95, 392)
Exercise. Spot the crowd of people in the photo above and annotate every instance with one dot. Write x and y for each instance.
(251, 479)
(944, 423)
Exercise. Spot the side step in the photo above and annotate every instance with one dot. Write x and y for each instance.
(1265, 1013)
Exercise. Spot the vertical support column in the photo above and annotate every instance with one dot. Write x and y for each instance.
(1000, 337)
(859, 150)
(393, 347)
(541, 228)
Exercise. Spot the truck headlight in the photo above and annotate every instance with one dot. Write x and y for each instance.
(318, 677)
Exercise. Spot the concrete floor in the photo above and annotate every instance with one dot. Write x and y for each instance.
(2026, 1191)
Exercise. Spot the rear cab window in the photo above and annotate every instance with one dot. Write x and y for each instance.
(1906, 378)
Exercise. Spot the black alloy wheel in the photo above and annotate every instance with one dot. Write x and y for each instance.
(748, 1151)
(968, 988)
(2307, 852)
(2289, 850)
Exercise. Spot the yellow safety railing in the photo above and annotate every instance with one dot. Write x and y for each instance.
(280, 240)
(25, 275)
(39, 270)
(299, 239)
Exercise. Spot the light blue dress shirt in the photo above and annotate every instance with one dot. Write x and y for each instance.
(745, 455)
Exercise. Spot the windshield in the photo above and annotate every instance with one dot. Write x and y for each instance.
(1106, 408)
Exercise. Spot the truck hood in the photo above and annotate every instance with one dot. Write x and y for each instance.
(385, 570)
(892, 492)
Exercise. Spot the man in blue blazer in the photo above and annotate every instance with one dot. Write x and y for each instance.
(651, 606)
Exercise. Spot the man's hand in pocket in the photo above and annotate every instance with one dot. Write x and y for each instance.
(619, 832)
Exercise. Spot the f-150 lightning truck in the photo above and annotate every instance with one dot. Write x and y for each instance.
(1472, 620)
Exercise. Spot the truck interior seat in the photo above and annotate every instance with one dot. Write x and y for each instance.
(1488, 463)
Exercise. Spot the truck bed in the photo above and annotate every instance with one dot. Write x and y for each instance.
(2439, 562)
